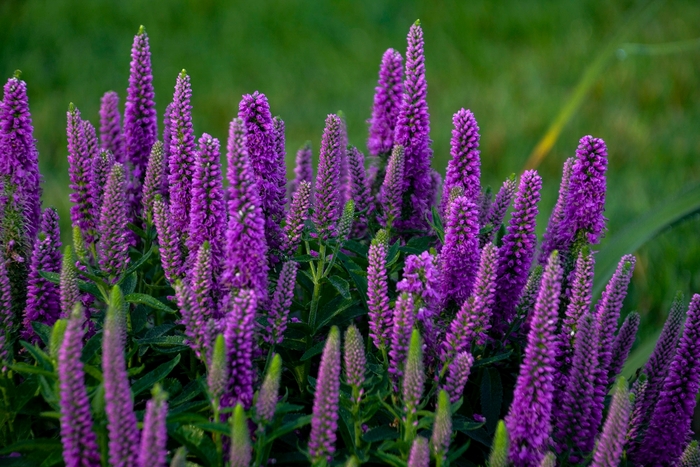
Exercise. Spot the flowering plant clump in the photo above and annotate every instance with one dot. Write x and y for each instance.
(370, 314)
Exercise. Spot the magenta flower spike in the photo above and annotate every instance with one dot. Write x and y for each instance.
(268, 396)
(101, 166)
(459, 257)
(324, 421)
(380, 316)
(43, 300)
(111, 137)
(611, 444)
(113, 247)
(246, 262)
(498, 209)
(196, 302)
(155, 179)
(457, 375)
(359, 192)
(355, 361)
(551, 240)
(413, 133)
(388, 96)
(296, 218)
(181, 155)
(579, 305)
(239, 333)
(519, 244)
(327, 206)
(153, 451)
(303, 168)
(79, 168)
(464, 167)
(420, 453)
(79, 441)
(281, 302)
(6, 316)
(403, 319)
(391, 194)
(421, 277)
(664, 441)
(69, 292)
(528, 298)
(529, 419)
(140, 119)
(19, 157)
(267, 167)
(622, 345)
(166, 143)
(168, 241)
(93, 146)
(119, 406)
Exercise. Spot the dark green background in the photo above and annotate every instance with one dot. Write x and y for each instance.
(514, 64)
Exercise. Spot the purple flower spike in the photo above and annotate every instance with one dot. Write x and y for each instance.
(19, 158)
(6, 316)
(327, 205)
(99, 174)
(324, 421)
(280, 304)
(240, 339)
(208, 211)
(169, 245)
(392, 189)
(420, 453)
(498, 209)
(691, 456)
(43, 300)
(121, 419)
(155, 179)
(665, 440)
(79, 441)
(529, 420)
(181, 155)
(111, 137)
(460, 255)
(622, 345)
(528, 298)
(414, 376)
(552, 236)
(404, 317)
(79, 168)
(380, 316)
(296, 217)
(355, 361)
(246, 262)
(113, 247)
(413, 133)
(608, 452)
(519, 243)
(140, 119)
(269, 391)
(387, 101)
(464, 167)
(166, 142)
(586, 194)
(303, 170)
(268, 168)
(153, 452)
(457, 375)
(579, 305)
(442, 428)
(196, 303)
(93, 146)
(359, 192)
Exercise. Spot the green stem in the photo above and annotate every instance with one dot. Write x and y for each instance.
(217, 436)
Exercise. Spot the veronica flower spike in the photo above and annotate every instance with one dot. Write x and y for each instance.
(111, 136)
(79, 168)
(303, 170)
(324, 421)
(380, 317)
(239, 334)
(608, 452)
(296, 217)
(460, 254)
(155, 179)
(392, 189)
(113, 247)
(327, 206)
(464, 167)
(387, 101)
(153, 452)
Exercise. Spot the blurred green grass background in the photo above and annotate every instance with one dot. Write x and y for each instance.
(514, 64)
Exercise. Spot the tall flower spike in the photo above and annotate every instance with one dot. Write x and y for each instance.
(269, 391)
(387, 101)
(413, 133)
(93, 146)
(380, 316)
(79, 441)
(485, 202)
(166, 146)
(296, 217)
(360, 191)
(528, 298)
(153, 452)
(79, 168)
(442, 428)
(391, 194)
(113, 248)
(181, 154)
(664, 441)
(460, 255)
(586, 194)
(240, 338)
(355, 361)
(414, 376)
(169, 246)
(246, 262)
(268, 169)
(529, 420)
(280, 304)
(403, 319)
(519, 243)
(217, 374)
(99, 173)
(281, 156)
(499, 447)
(552, 235)
(43, 299)
(498, 209)
(303, 170)
(579, 304)
(473, 318)
(622, 345)
(464, 167)
(327, 204)
(420, 453)
(198, 307)
(19, 158)
(345, 221)
(111, 137)
(457, 375)
(119, 407)
(324, 421)
(241, 453)
(155, 179)
(6, 316)
(208, 210)
(140, 120)
(691, 456)
(608, 452)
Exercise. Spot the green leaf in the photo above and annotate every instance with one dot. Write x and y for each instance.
(138, 263)
(292, 422)
(39, 355)
(147, 300)
(151, 378)
(341, 285)
(221, 428)
(192, 390)
(491, 397)
(91, 347)
(356, 247)
(464, 424)
(162, 340)
(495, 358)
(128, 284)
(313, 351)
(356, 273)
(43, 331)
(197, 442)
(29, 445)
(137, 230)
(22, 367)
(393, 254)
(417, 245)
(331, 310)
(380, 433)
(304, 258)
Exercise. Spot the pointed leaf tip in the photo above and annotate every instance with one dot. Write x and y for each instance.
(417, 23)
(142, 30)
(17, 74)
